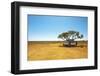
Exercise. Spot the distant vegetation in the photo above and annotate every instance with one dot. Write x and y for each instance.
(69, 37)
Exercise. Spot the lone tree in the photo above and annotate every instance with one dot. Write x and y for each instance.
(70, 37)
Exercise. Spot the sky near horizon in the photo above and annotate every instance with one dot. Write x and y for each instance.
(47, 28)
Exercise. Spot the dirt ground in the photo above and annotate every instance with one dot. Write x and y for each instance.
(55, 50)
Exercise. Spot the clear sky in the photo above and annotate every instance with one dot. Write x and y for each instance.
(47, 28)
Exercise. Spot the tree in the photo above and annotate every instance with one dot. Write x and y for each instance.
(70, 36)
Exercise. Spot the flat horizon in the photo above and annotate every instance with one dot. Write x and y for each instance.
(57, 40)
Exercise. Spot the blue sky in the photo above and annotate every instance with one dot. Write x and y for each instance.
(47, 28)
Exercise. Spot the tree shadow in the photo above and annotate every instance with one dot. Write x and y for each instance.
(72, 46)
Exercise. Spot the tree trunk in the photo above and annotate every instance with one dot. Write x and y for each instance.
(76, 43)
(69, 43)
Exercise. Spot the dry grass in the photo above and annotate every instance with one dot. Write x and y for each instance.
(55, 50)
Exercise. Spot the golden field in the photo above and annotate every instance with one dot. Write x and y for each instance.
(53, 50)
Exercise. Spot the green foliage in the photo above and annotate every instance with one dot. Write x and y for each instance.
(70, 35)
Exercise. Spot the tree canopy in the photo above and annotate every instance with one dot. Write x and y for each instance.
(70, 35)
